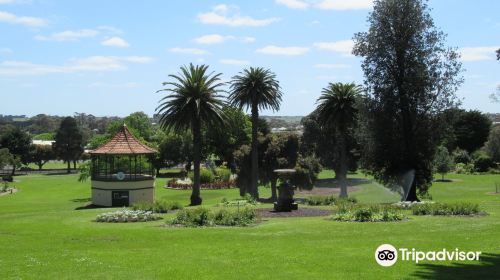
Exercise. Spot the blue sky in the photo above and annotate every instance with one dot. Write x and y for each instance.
(110, 57)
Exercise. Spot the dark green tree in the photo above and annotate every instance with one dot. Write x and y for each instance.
(193, 101)
(317, 141)
(6, 157)
(281, 151)
(337, 109)
(257, 89)
(492, 147)
(410, 77)
(471, 130)
(223, 141)
(69, 141)
(41, 154)
(19, 145)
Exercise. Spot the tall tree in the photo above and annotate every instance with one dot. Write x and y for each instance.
(193, 101)
(69, 141)
(337, 108)
(410, 77)
(19, 144)
(257, 89)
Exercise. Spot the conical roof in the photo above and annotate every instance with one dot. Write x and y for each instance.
(123, 143)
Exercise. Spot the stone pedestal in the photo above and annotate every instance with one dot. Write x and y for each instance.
(285, 201)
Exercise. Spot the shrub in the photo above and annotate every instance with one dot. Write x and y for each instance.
(222, 217)
(483, 163)
(223, 174)
(206, 176)
(7, 178)
(159, 206)
(126, 216)
(461, 156)
(232, 217)
(328, 200)
(462, 168)
(447, 209)
(193, 217)
(367, 213)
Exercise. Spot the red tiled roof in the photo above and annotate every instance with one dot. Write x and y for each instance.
(123, 143)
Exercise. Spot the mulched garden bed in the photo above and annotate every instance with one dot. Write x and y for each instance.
(302, 212)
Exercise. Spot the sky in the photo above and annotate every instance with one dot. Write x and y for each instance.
(109, 58)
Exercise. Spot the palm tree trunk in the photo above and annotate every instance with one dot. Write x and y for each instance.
(343, 166)
(195, 195)
(254, 191)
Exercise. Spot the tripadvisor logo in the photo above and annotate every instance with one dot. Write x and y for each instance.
(387, 255)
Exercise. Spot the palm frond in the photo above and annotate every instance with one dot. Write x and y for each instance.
(192, 95)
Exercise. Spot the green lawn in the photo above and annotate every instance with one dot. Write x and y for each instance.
(42, 236)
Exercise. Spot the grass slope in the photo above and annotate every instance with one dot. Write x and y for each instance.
(42, 236)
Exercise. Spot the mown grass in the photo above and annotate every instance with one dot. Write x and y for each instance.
(42, 236)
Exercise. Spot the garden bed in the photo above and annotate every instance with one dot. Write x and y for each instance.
(301, 212)
(219, 185)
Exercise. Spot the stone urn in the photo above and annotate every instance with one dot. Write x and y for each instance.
(285, 201)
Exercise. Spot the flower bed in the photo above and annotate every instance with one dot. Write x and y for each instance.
(217, 185)
(127, 216)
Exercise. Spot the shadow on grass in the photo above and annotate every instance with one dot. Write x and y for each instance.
(488, 267)
(443, 180)
(92, 206)
(87, 199)
(334, 183)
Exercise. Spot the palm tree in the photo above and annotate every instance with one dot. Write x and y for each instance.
(255, 88)
(193, 100)
(337, 110)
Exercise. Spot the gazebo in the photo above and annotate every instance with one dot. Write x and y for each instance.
(122, 171)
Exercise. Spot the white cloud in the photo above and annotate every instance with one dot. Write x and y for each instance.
(332, 66)
(27, 21)
(247, 39)
(88, 64)
(115, 42)
(234, 62)
(211, 39)
(478, 53)
(344, 4)
(218, 39)
(110, 29)
(5, 51)
(69, 35)
(14, 1)
(294, 4)
(275, 50)
(343, 47)
(220, 15)
(192, 51)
